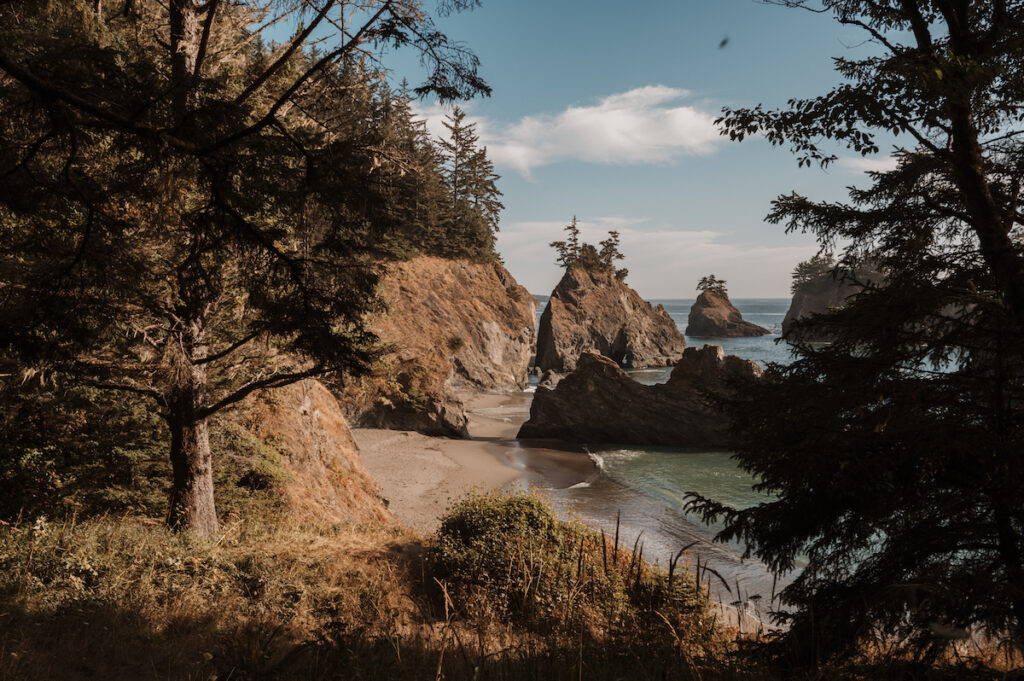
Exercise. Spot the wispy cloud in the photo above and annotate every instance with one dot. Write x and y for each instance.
(663, 261)
(645, 125)
(863, 164)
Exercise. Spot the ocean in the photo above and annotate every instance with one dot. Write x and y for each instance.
(646, 486)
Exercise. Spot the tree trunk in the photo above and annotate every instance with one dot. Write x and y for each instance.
(184, 24)
(997, 247)
(191, 501)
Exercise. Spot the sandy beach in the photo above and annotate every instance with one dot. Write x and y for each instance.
(420, 475)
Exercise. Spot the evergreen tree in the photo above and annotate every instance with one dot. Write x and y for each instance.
(187, 216)
(569, 250)
(818, 267)
(711, 284)
(893, 454)
(474, 200)
(573, 252)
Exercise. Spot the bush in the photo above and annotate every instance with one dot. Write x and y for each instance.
(507, 553)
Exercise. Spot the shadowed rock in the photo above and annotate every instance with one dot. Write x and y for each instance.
(599, 403)
(818, 296)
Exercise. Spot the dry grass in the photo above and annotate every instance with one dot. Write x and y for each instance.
(122, 598)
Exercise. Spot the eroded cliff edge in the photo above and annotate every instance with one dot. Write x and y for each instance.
(319, 474)
(591, 310)
(818, 295)
(600, 403)
(456, 325)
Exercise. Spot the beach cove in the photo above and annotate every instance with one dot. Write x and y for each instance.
(421, 475)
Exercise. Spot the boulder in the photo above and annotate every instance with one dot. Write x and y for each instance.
(599, 403)
(714, 316)
(592, 310)
(456, 326)
(550, 379)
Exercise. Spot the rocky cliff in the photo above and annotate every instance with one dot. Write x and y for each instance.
(817, 296)
(319, 473)
(599, 403)
(714, 316)
(455, 325)
(592, 310)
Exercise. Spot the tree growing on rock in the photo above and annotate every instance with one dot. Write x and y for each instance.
(817, 267)
(572, 252)
(712, 284)
(188, 212)
(474, 201)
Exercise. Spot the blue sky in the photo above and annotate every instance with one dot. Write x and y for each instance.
(603, 110)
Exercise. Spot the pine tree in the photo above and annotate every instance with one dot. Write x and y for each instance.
(188, 217)
(474, 199)
(569, 250)
(712, 284)
(893, 454)
(573, 252)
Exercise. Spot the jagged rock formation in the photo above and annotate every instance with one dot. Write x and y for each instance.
(714, 316)
(592, 310)
(599, 403)
(550, 379)
(320, 477)
(818, 295)
(457, 325)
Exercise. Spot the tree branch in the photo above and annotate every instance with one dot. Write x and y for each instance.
(40, 87)
(270, 382)
(211, 11)
(296, 43)
(228, 350)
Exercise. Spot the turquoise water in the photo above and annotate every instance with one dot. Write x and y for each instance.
(670, 473)
(648, 485)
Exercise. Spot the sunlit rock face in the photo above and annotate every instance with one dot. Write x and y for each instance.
(592, 311)
(455, 326)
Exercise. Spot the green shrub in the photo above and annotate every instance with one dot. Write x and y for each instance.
(456, 343)
(507, 553)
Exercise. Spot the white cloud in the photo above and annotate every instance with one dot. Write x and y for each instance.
(663, 262)
(644, 125)
(863, 164)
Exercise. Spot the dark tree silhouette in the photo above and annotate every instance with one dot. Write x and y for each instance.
(893, 454)
(711, 284)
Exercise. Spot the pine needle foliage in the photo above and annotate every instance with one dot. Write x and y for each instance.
(893, 453)
(191, 213)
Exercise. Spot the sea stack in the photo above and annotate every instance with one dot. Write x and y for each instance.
(599, 403)
(714, 316)
(592, 309)
(821, 292)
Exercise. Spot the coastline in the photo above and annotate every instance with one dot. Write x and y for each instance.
(420, 475)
